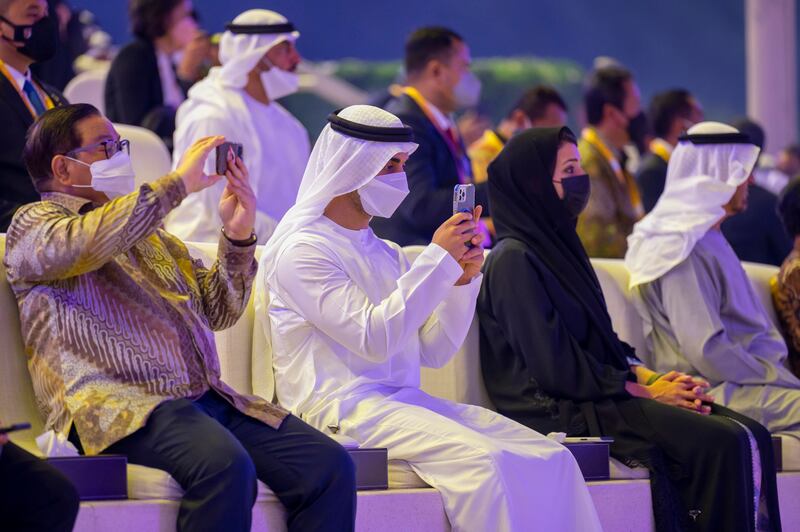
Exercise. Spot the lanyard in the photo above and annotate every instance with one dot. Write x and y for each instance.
(591, 136)
(661, 148)
(455, 145)
(48, 103)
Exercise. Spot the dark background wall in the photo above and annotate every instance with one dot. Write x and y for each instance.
(690, 43)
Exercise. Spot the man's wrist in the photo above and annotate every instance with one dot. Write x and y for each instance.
(239, 239)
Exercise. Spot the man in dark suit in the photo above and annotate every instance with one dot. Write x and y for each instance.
(671, 113)
(28, 35)
(437, 63)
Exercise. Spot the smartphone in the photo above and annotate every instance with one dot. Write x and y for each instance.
(463, 198)
(464, 201)
(222, 155)
(14, 428)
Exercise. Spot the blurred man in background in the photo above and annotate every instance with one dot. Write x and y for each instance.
(59, 70)
(612, 102)
(149, 77)
(757, 234)
(789, 160)
(29, 36)
(439, 82)
(540, 106)
(259, 62)
(671, 113)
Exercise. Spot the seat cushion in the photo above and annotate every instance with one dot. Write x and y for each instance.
(790, 452)
(403, 476)
(146, 483)
(619, 471)
(150, 483)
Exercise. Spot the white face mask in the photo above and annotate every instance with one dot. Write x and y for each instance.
(384, 194)
(468, 91)
(278, 82)
(114, 176)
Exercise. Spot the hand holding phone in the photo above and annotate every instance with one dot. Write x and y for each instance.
(464, 201)
(222, 155)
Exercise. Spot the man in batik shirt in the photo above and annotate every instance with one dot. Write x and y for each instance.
(117, 320)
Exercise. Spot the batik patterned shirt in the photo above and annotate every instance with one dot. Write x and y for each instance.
(116, 316)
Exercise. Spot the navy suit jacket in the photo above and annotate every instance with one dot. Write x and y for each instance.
(432, 175)
(16, 187)
(651, 177)
(757, 234)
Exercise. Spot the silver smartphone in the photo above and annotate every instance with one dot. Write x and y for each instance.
(464, 201)
(463, 198)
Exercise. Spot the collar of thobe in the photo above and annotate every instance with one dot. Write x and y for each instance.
(354, 235)
(75, 204)
(662, 149)
(18, 79)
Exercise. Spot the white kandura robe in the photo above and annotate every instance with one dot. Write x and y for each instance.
(703, 317)
(275, 150)
(351, 324)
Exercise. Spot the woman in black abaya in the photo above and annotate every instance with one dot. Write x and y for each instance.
(551, 360)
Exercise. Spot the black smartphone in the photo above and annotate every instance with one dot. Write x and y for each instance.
(15, 428)
(222, 155)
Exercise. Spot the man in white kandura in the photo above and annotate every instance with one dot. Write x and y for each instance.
(352, 321)
(701, 315)
(238, 100)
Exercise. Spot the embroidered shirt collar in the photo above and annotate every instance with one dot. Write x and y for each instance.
(73, 203)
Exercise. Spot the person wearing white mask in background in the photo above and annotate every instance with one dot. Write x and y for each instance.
(238, 100)
(118, 320)
(439, 83)
(351, 322)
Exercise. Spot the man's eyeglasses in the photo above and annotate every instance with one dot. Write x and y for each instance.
(110, 148)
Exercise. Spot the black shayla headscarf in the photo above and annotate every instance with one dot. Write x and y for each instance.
(525, 207)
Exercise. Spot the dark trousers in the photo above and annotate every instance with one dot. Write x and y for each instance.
(216, 454)
(705, 463)
(34, 496)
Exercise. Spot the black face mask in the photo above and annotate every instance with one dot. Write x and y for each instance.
(637, 129)
(576, 193)
(40, 39)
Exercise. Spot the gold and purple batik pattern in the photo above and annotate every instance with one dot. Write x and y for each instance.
(116, 316)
